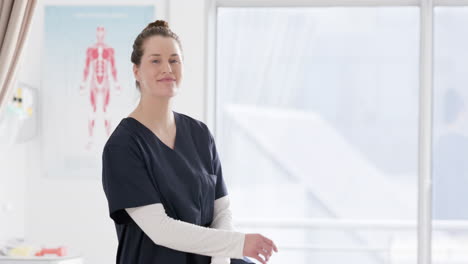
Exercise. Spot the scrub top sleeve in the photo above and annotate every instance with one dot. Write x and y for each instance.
(126, 182)
(221, 189)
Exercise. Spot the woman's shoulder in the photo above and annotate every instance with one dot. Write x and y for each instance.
(194, 124)
(123, 135)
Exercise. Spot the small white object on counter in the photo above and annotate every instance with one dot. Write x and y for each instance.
(41, 260)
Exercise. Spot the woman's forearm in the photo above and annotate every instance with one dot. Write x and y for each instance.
(222, 219)
(183, 236)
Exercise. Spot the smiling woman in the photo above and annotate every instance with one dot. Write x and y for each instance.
(156, 45)
(162, 175)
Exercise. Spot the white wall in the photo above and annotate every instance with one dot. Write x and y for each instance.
(12, 191)
(74, 211)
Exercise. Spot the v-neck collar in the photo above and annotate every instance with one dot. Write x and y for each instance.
(176, 120)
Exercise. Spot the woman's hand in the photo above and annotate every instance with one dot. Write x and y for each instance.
(256, 245)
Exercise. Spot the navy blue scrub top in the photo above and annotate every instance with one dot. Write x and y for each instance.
(139, 169)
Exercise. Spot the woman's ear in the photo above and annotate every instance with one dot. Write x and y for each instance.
(136, 72)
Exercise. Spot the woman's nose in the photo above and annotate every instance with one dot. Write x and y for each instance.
(167, 67)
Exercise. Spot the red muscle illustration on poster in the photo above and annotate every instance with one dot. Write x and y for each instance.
(99, 62)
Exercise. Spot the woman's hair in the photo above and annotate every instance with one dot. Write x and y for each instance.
(156, 28)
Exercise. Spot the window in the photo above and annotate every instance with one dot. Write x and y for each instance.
(450, 136)
(317, 117)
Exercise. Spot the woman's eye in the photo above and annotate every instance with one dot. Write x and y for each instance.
(174, 61)
(155, 61)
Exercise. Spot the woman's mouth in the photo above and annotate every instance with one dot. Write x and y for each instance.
(167, 80)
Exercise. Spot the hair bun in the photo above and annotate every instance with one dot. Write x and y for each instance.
(158, 23)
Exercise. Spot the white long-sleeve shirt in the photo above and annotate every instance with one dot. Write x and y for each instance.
(222, 219)
(218, 241)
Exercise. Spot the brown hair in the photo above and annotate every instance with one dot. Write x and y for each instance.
(156, 28)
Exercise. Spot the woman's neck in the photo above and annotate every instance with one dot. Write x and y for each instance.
(156, 113)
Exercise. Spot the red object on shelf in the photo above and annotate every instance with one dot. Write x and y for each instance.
(60, 251)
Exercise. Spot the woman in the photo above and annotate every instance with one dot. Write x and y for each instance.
(162, 176)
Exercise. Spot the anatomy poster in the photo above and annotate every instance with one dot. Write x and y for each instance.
(87, 85)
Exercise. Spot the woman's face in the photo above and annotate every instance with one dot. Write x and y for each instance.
(160, 69)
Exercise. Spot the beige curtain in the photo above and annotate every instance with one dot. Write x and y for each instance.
(15, 19)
